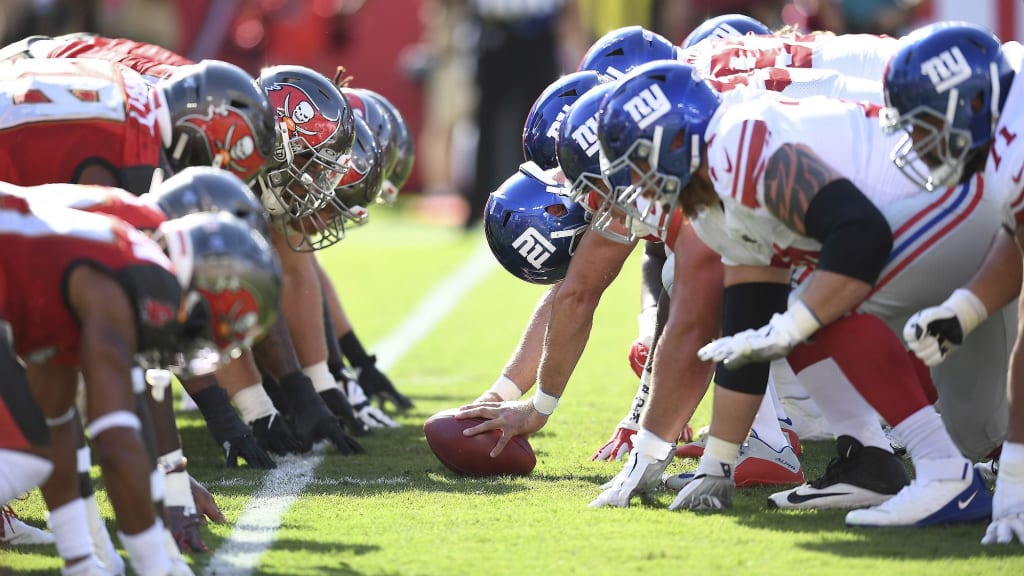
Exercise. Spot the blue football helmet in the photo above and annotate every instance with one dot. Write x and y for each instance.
(623, 49)
(546, 114)
(532, 228)
(651, 128)
(947, 83)
(725, 26)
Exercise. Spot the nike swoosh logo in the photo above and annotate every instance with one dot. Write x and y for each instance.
(961, 504)
(786, 421)
(795, 498)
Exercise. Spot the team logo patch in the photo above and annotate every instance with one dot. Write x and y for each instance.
(553, 130)
(300, 115)
(229, 139)
(947, 70)
(235, 317)
(156, 313)
(648, 106)
(724, 31)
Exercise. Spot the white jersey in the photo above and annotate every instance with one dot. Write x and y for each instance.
(740, 140)
(802, 83)
(1004, 169)
(857, 55)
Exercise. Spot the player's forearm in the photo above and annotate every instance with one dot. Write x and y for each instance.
(522, 367)
(998, 280)
(568, 330)
(830, 296)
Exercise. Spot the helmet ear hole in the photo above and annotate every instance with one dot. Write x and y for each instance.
(506, 218)
(557, 210)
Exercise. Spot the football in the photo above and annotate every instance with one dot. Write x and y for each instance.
(470, 455)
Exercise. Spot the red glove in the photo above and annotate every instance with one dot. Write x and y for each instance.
(619, 446)
(638, 353)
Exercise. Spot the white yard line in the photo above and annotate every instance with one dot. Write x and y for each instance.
(257, 526)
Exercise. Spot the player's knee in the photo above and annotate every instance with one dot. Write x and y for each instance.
(111, 433)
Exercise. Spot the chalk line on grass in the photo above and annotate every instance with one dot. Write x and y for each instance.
(256, 528)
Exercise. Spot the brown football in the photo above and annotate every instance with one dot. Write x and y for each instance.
(471, 455)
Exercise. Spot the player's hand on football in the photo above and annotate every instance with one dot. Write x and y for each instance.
(619, 445)
(247, 448)
(205, 503)
(513, 418)
(369, 414)
(275, 435)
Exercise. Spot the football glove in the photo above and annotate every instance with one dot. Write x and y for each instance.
(247, 448)
(638, 354)
(184, 526)
(641, 474)
(933, 333)
(338, 403)
(275, 436)
(619, 445)
(706, 492)
(774, 340)
(312, 420)
(1007, 512)
(370, 415)
(378, 387)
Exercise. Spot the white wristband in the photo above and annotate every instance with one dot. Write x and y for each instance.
(804, 319)
(506, 388)
(969, 309)
(544, 403)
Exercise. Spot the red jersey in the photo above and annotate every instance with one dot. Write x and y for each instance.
(43, 244)
(133, 209)
(58, 117)
(147, 59)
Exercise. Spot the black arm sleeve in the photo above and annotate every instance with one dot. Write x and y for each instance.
(855, 236)
(746, 306)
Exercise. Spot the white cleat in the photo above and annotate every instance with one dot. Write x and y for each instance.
(947, 501)
(14, 532)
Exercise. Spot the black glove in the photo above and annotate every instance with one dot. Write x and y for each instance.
(246, 448)
(378, 387)
(339, 405)
(185, 529)
(310, 417)
(274, 435)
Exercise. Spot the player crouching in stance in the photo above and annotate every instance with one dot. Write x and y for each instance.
(124, 300)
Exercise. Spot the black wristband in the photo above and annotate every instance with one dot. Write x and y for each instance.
(353, 350)
(749, 306)
(855, 237)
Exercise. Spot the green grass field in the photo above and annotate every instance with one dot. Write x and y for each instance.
(396, 510)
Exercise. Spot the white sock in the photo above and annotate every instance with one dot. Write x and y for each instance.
(844, 408)
(21, 472)
(179, 491)
(766, 425)
(926, 437)
(1011, 461)
(778, 370)
(101, 542)
(70, 526)
(719, 457)
(146, 550)
(253, 402)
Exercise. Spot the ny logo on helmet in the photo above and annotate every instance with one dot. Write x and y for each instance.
(586, 136)
(947, 69)
(724, 30)
(647, 106)
(536, 249)
(553, 129)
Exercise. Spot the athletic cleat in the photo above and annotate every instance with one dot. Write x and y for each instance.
(989, 470)
(704, 492)
(14, 532)
(856, 478)
(758, 465)
(693, 449)
(794, 438)
(898, 447)
(957, 501)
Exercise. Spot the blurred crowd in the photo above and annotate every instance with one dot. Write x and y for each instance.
(464, 72)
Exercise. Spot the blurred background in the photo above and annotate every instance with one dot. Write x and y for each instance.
(463, 72)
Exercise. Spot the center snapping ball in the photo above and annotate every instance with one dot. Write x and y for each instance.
(471, 455)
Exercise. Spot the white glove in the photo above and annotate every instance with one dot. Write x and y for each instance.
(705, 492)
(933, 333)
(774, 340)
(1007, 512)
(641, 474)
(369, 414)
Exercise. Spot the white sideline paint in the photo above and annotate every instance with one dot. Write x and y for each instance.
(257, 526)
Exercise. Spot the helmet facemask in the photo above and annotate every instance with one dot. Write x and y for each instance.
(937, 159)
